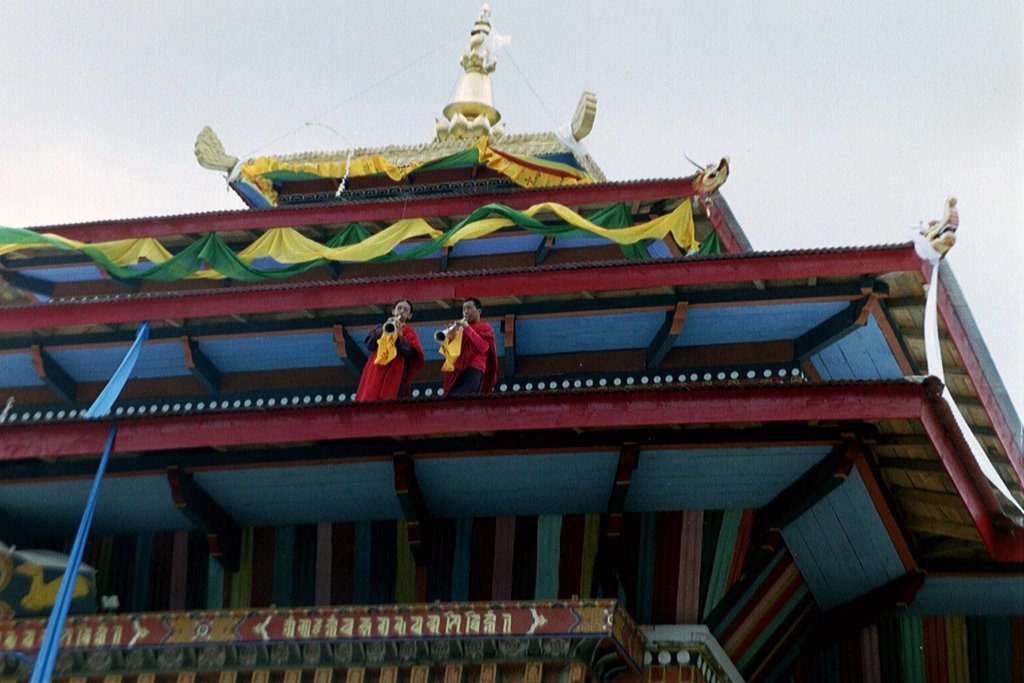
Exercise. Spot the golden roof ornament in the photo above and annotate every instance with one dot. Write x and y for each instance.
(471, 112)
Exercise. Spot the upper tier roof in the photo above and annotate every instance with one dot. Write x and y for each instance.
(469, 150)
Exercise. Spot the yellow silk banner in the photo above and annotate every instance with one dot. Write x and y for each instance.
(286, 245)
(679, 224)
(130, 252)
(289, 246)
(523, 172)
(255, 171)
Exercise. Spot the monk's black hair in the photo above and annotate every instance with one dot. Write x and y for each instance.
(476, 302)
(398, 301)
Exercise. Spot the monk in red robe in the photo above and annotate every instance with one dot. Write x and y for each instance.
(476, 368)
(397, 357)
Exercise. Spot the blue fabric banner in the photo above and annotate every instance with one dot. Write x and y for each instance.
(105, 401)
(47, 658)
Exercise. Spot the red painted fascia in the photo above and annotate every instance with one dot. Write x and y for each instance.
(387, 210)
(1004, 539)
(244, 300)
(981, 386)
(506, 412)
(721, 225)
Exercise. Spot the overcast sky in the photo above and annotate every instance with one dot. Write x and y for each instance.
(846, 123)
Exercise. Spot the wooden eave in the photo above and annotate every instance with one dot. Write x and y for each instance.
(583, 196)
(966, 377)
(213, 301)
(581, 410)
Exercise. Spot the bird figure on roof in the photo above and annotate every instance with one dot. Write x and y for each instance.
(941, 234)
(711, 177)
(210, 152)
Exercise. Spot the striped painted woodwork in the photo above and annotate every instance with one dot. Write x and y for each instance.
(907, 649)
(670, 567)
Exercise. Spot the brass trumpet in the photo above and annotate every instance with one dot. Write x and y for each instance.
(390, 326)
(443, 333)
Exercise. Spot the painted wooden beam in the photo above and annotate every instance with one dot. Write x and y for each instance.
(830, 331)
(382, 448)
(905, 302)
(931, 498)
(578, 410)
(850, 617)
(646, 407)
(549, 280)
(413, 504)
(27, 282)
(888, 510)
(900, 440)
(797, 498)
(912, 465)
(543, 247)
(571, 307)
(894, 340)
(666, 335)
(349, 352)
(132, 285)
(508, 328)
(223, 534)
(334, 269)
(1009, 436)
(1004, 539)
(629, 458)
(200, 365)
(384, 210)
(941, 527)
(726, 226)
(55, 377)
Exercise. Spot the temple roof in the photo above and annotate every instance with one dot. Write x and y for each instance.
(469, 149)
(633, 320)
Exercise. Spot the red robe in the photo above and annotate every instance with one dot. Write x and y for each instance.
(382, 382)
(469, 352)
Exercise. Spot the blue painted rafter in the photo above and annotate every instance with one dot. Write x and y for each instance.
(28, 283)
(629, 458)
(201, 367)
(199, 328)
(841, 324)
(542, 250)
(223, 534)
(349, 352)
(797, 498)
(666, 336)
(509, 356)
(53, 374)
(413, 504)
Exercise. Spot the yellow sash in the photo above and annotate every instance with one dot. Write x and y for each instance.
(451, 349)
(386, 350)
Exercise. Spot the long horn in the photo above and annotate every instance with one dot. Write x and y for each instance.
(442, 334)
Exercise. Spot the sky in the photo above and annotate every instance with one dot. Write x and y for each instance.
(845, 123)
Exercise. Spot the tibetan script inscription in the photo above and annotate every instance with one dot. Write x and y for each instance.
(374, 623)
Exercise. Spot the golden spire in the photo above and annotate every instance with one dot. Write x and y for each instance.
(471, 112)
